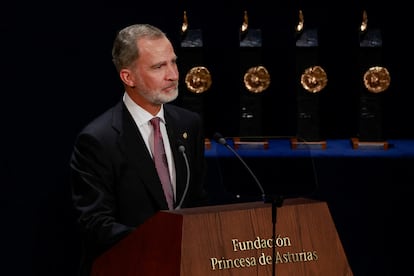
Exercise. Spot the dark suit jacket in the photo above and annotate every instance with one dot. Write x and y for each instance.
(115, 186)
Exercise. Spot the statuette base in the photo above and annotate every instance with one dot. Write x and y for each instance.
(357, 144)
(307, 145)
(250, 143)
(207, 144)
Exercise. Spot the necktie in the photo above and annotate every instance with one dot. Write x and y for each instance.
(160, 160)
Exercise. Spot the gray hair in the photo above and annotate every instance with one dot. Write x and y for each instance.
(125, 50)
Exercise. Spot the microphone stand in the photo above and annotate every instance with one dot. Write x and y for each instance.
(276, 202)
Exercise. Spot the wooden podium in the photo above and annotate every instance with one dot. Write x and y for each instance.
(233, 239)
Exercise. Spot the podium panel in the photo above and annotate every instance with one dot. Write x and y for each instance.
(233, 239)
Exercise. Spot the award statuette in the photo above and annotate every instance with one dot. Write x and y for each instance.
(313, 79)
(197, 79)
(375, 80)
(255, 81)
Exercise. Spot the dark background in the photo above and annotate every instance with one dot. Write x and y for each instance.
(57, 75)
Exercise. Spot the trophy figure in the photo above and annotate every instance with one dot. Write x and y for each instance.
(312, 79)
(375, 80)
(255, 82)
(197, 80)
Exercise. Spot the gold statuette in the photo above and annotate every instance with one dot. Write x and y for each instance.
(257, 79)
(198, 79)
(299, 27)
(314, 79)
(184, 26)
(377, 79)
(245, 25)
(364, 24)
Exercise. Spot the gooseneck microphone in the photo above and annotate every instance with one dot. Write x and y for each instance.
(221, 140)
(276, 201)
(181, 149)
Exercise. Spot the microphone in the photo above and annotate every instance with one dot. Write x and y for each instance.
(221, 140)
(274, 199)
(181, 149)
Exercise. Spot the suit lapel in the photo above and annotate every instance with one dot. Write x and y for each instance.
(137, 155)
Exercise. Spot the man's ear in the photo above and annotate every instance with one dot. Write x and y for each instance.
(127, 77)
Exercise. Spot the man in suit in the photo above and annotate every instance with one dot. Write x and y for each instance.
(115, 184)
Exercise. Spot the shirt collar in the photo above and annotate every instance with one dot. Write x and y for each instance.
(140, 115)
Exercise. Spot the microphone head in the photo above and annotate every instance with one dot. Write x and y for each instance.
(181, 148)
(219, 138)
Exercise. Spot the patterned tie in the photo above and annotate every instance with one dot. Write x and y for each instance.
(160, 160)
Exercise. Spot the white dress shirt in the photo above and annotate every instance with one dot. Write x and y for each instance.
(142, 120)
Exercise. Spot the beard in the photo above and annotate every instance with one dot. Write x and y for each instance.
(159, 97)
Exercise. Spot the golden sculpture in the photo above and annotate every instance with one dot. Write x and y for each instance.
(198, 79)
(184, 26)
(257, 79)
(245, 25)
(314, 79)
(300, 26)
(364, 23)
(377, 79)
